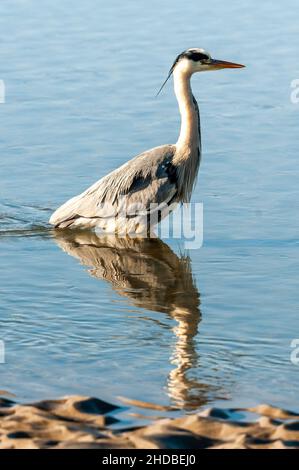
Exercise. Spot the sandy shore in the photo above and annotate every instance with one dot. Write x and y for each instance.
(85, 422)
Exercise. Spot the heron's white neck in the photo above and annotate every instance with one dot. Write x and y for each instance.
(189, 138)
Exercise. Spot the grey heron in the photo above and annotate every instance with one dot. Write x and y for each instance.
(145, 189)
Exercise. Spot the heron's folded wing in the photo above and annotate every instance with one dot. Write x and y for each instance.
(148, 178)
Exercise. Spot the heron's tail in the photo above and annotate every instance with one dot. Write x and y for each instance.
(66, 214)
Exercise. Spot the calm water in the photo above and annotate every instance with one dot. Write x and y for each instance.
(149, 321)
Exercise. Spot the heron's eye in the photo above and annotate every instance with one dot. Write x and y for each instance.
(197, 56)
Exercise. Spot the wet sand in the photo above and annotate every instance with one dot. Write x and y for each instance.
(85, 422)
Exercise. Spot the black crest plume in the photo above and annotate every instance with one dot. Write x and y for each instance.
(179, 57)
(189, 54)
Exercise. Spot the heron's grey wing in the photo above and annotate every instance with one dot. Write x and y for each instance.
(148, 178)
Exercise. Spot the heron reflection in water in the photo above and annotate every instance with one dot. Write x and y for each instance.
(151, 276)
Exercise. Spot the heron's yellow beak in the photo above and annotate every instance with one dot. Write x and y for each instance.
(222, 64)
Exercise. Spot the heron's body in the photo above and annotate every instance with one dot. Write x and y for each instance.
(144, 190)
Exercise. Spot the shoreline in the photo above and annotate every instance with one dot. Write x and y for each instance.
(75, 422)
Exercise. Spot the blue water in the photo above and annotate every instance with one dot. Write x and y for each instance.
(146, 322)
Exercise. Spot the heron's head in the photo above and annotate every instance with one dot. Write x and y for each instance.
(198, 60)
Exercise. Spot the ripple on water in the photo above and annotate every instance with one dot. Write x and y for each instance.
(23, 220)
